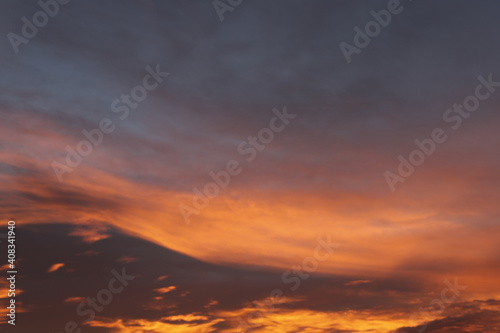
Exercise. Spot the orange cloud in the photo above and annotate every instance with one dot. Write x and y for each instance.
(55, 267)
(166, 289)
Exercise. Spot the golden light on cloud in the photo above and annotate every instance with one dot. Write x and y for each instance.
(280, 320)
(165, 289)
(55, 267)
(138, 326)
(238, 227)
(157, 187)
(188, 318)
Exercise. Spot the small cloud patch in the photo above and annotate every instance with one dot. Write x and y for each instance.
(55, 267)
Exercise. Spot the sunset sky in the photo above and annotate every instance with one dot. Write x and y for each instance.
(315, 191)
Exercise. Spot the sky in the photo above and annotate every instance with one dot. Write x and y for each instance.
(364, 187)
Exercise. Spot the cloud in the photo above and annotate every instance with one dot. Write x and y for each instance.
(355, 283)
(322, 302)
(322, 176)
(55, 267)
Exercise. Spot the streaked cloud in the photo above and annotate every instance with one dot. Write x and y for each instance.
(55, 267)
